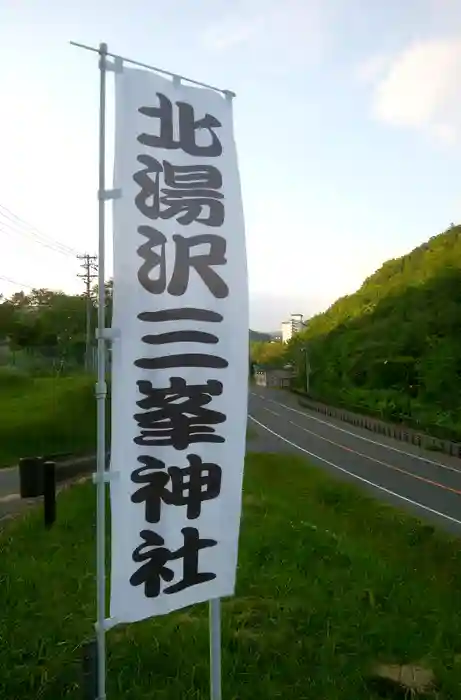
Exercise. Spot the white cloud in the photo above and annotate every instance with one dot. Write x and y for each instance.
(373, 68)
(446, 133)
(231, 31)
(293, 29)
(420, 88)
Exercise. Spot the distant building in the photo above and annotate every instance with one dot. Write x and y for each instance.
(287, 331)
(274, 377)
(291, 327)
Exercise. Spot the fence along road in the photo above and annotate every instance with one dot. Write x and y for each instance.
(425, 483)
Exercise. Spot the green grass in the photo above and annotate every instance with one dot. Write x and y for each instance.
(45, 415)
(329, 582)
(251, 433)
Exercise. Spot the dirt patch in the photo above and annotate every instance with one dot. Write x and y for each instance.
(406, 681)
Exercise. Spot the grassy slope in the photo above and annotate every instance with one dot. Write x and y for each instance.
(328, 583)
(46, 415)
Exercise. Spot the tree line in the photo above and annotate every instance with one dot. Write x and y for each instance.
(392, 349)
(48, 322)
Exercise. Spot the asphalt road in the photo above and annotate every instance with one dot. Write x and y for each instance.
(427, 484)
(9, 481)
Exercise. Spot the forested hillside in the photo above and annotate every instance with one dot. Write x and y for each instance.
(394, 347)
(257, 337)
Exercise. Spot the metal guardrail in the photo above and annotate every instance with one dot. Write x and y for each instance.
(399, 432)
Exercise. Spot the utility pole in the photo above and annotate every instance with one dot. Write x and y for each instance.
(89, 268)
(307, 367)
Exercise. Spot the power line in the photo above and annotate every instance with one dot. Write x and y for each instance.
(25, 286)
(10, 219)
(11, 227)
(11, 232)
(33, 230)
(18, 284)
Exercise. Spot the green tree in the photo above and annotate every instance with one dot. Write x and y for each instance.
(52, 322)
(269, 353)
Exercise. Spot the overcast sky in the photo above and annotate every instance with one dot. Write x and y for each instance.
(348, 127)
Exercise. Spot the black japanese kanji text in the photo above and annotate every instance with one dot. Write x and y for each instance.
(178, 415)
(155, 555)
(188, 126)
(184, 261)
(176, 486)
(191, 192)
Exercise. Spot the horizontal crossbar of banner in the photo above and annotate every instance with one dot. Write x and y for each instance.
(228, 93)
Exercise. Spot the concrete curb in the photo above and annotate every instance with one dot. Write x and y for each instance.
(12, 506)
(396, 432)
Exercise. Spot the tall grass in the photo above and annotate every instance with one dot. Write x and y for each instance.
(329, 582)
(45, 415)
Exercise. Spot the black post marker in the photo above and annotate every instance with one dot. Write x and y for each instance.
(30, 477)
(49, 493)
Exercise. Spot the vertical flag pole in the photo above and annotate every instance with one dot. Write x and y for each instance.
(101, 392)
(215, 649)
(215, 604)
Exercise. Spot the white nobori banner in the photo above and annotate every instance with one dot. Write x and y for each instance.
(180, 354)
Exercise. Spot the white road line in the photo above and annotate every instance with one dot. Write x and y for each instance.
(269, 410)
(418, 477)
(356, 476)
(360, 437)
